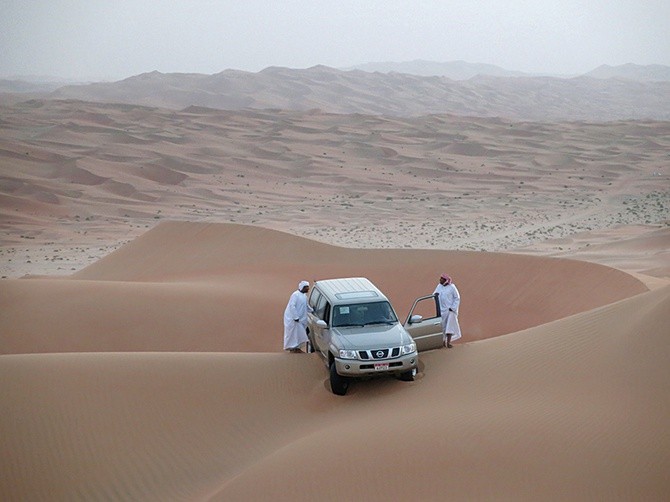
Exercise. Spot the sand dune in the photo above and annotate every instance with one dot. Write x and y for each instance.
(634, 248)
(575, 408)
(223, 287)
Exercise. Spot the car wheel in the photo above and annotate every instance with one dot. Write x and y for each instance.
(338, 383)
(407, 376)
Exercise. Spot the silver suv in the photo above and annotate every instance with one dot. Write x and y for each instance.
(357, 333)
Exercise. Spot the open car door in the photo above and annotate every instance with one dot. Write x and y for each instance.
(423, 323)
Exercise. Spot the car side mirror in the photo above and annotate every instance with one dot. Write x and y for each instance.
(415, 318)
(321, 323)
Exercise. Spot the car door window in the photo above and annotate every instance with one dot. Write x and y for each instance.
(426, 308)
(320, 308)
(314, 297)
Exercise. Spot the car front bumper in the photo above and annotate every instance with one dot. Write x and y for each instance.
(359, 368)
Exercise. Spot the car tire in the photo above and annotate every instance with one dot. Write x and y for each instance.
(407, 376)
(338, 384)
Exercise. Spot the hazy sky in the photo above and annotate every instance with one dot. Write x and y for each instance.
(114, 39)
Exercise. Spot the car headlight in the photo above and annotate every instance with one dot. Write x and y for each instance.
(409, 348)
(348, 354)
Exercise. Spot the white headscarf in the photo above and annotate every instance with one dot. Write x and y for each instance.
(302, 285)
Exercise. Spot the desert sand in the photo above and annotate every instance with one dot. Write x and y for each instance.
(147, 256)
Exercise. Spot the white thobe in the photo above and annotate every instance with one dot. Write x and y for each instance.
(449, 298)
(295, 333)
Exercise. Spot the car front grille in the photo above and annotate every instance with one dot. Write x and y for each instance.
(378, 354)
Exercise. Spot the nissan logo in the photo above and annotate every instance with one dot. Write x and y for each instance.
(380, 353)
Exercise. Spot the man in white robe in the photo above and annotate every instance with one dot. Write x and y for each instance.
(449, 300)
(295, 319)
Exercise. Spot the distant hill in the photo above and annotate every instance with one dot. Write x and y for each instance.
(462, 70)
(31, 86)
(654, 72)
(455, 70)
(400, 94)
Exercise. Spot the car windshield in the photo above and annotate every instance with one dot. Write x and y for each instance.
(362, 314)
